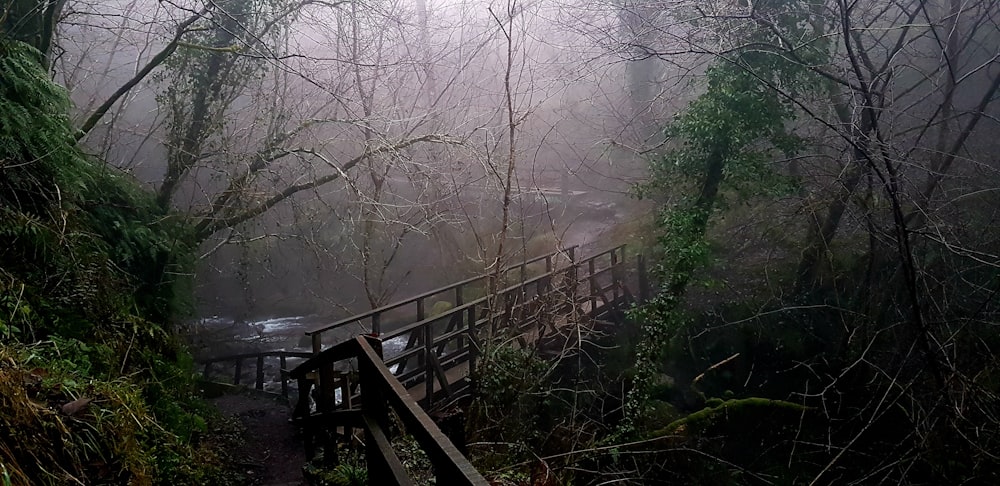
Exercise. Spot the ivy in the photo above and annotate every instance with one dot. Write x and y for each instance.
(724, 145)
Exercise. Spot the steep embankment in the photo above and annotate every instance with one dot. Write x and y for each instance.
(93, 388)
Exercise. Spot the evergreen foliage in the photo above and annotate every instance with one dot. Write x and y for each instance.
(726, 141)
(93, 387)
(850, 380)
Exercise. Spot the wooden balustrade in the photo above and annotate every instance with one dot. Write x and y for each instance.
(380, 391)
(259, 359)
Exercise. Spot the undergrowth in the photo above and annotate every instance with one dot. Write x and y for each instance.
(94, 388)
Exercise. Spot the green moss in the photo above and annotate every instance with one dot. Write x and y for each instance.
(719, 411)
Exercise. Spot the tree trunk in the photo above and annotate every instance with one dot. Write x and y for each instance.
(821, 233)
(32, 22)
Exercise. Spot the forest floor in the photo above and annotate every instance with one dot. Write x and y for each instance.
(270, 452)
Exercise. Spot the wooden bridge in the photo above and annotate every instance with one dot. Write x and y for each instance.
(409, 358)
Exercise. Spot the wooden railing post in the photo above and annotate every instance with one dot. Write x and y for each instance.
(301, 411)
(459, 302)
(615, 277)
(377, 324)
(473, 340)
(282, 364)
(327, 385)
(428, 366)
(239, 372)
(572, 274)
(593, 284)
(346, 401)
(259, 382)
(317, 343)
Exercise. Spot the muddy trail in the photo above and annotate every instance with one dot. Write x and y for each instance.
(270, 452)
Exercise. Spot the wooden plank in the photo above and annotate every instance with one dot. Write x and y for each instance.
(284, 375)
(451, 467)
(259, 382)
(441, 376)
(384, 466)
(428, 372)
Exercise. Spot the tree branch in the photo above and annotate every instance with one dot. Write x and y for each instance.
(153, 63)
(210, 223)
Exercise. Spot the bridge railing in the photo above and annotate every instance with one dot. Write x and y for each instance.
(454, 295)
(439, 351)
(540, 292)
(259, 360)
(380, 391)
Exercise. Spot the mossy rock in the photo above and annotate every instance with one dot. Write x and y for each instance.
(440, 307)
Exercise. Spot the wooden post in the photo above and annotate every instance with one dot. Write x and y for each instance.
(374, 406)
(376, 345)
(428, 367)
(473, 341)
(346, 402)
(259, 383)
(640, 266)
(301, 411)
(615, 278)
(317, 343)
(377, 323)
(239, 371)
(459, 302)
(593, 285)
(302, 404)
(327, 385)
(282, 364)
(573, 275)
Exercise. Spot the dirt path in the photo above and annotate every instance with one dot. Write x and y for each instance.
(271, 454)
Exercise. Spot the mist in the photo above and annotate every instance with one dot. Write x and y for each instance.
(335, 81)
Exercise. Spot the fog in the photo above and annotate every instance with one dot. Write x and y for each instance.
(335, 156)
(428, 80)
(808, 195)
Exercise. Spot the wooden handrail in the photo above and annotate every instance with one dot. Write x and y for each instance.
(238, 359)
(379, 390)
(233, 357)
(430, 293)
(340, 352)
